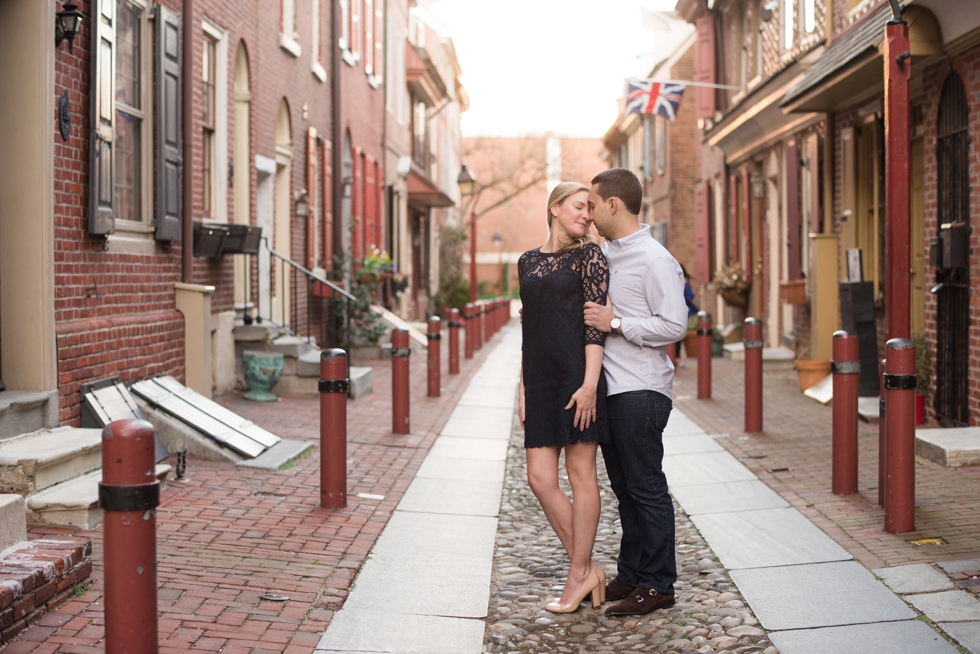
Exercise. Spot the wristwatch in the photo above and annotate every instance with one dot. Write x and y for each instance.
(615, 323)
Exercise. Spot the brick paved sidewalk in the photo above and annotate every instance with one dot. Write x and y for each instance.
(793, 456)
(226, 535)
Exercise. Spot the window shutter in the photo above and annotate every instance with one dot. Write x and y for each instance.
(793, 222)
(813, 168)
(311, 197)
(378, 204)
(327, 205)
(747, 254)
(704, 58)
(733, 235)
(101, 218)
(701, 245)
(167, 216)
(370, 241)
(356, 207)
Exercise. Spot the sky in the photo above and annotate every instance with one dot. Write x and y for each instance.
(536, 66)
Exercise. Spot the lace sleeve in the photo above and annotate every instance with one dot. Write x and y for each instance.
(594, 272)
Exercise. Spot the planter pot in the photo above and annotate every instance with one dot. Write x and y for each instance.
(717, 349)
(810, 372)
(735, 298)
(920, 408)
(691, 344)
(793, 292)
(262, 371)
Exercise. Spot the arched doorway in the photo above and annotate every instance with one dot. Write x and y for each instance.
(953, 284)
(242, 170)
(283, 212)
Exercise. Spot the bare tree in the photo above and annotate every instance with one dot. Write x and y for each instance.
(505, 172)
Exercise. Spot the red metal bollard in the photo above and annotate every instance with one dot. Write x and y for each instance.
(704, 355)
(479, 313)
(752, 341)
(434, 334)
(454, 341)
(129, 494)
(900, 436)
(846, 368)
(334, 386)
(882, 441)
(468, 316)
(400, 351)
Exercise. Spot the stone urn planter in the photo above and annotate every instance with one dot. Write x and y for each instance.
(262, 371)
(691, 344)
(809, 371)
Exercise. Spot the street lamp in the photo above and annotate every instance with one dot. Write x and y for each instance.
(467, 185)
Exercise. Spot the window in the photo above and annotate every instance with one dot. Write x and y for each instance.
(344, 25)
(369, 36)
(355, 29)
(379, 33)
(809, 15)
(131, 106)
(660, 125)
(208, 122)
(789, 30)
(315, 65)
(288, 39)
(420, 137)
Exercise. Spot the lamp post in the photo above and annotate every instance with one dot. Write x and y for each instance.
(498, 242)
(467, 184)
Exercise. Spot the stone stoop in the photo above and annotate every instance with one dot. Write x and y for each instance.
(953, 448)
(37, 576)
(57, 472)
(27, 411)
(301, 363)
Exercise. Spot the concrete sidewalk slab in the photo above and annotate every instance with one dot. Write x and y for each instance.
(447, 536)
(767, 538)
(679, 424)
(962, 565)
(876, 638)
(915, 578)
(469, 448)
(379, 630)
(705, 468)
(967, 633)
(818, 595)
(441, 467)
(948, 606)
(480, 422)
(727, 497)
(690, 444)
(456, 496)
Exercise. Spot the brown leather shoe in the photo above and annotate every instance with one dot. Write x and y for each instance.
(617, 590)
(640, 602)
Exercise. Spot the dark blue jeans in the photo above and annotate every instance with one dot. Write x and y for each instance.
(634, 463)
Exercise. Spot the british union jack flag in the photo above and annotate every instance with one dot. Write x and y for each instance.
(645, 96)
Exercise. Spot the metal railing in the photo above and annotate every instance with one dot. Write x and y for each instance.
(322, 316)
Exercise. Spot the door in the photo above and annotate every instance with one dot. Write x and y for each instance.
(917, 299)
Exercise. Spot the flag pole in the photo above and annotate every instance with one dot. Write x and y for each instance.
(685, 83)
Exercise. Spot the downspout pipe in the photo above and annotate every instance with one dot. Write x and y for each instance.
(337, 152)
(187, 120)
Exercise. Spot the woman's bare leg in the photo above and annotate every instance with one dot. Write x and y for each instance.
(542, 475)
(581, 467)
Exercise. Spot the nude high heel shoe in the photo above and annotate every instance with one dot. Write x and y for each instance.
(591, 586)
(602, 581)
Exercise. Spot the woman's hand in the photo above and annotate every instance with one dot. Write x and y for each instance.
(520, 406)
(584, 402)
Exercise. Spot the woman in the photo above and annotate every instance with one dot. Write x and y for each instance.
(563, 391)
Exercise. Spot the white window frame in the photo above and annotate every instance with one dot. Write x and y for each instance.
(788, 39)
(288, 37)
(346, 37)
(368, 6)
(143, 226)
(219, 159)
(809, 16)
(377, 76)
(316, 66)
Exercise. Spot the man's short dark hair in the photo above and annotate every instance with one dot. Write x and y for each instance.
(623, 184)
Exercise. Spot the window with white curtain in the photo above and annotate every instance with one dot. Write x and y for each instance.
(809, 15)
(789, 28)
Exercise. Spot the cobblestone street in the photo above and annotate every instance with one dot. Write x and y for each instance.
(530, 567)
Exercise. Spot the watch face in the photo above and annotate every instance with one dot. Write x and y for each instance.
(615, 323)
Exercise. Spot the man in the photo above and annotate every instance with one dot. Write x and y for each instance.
(645, 314)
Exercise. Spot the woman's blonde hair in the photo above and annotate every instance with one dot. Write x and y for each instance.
(558, 196)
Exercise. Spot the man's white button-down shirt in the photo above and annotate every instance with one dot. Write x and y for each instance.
(646, 287)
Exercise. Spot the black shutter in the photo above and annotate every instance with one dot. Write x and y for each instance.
(101, 219)
(167, 212)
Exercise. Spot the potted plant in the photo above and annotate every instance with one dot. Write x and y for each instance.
(808, 371)
(691, 338)
(731, 284)
(717, 343)
(376, 267)
(923, 373)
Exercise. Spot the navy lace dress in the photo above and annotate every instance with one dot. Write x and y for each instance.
(554, 290)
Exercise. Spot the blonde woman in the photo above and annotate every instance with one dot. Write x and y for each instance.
(563, 390)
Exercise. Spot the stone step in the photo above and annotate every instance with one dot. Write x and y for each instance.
(74, 503)
(40, 460)
(22, 412)
(13, 529)
(773, 358)
(361, 381)
(292, 346)
(953, 448)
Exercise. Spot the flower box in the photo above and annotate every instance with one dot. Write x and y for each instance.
(793, 291)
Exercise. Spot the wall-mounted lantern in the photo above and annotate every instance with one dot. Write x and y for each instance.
(348, 187)
(302, 205)
(466, 182)
(67, 22)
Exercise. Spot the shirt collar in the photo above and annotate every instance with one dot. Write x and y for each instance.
(627, 242)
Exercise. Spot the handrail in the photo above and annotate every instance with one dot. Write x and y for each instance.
(309, 273)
